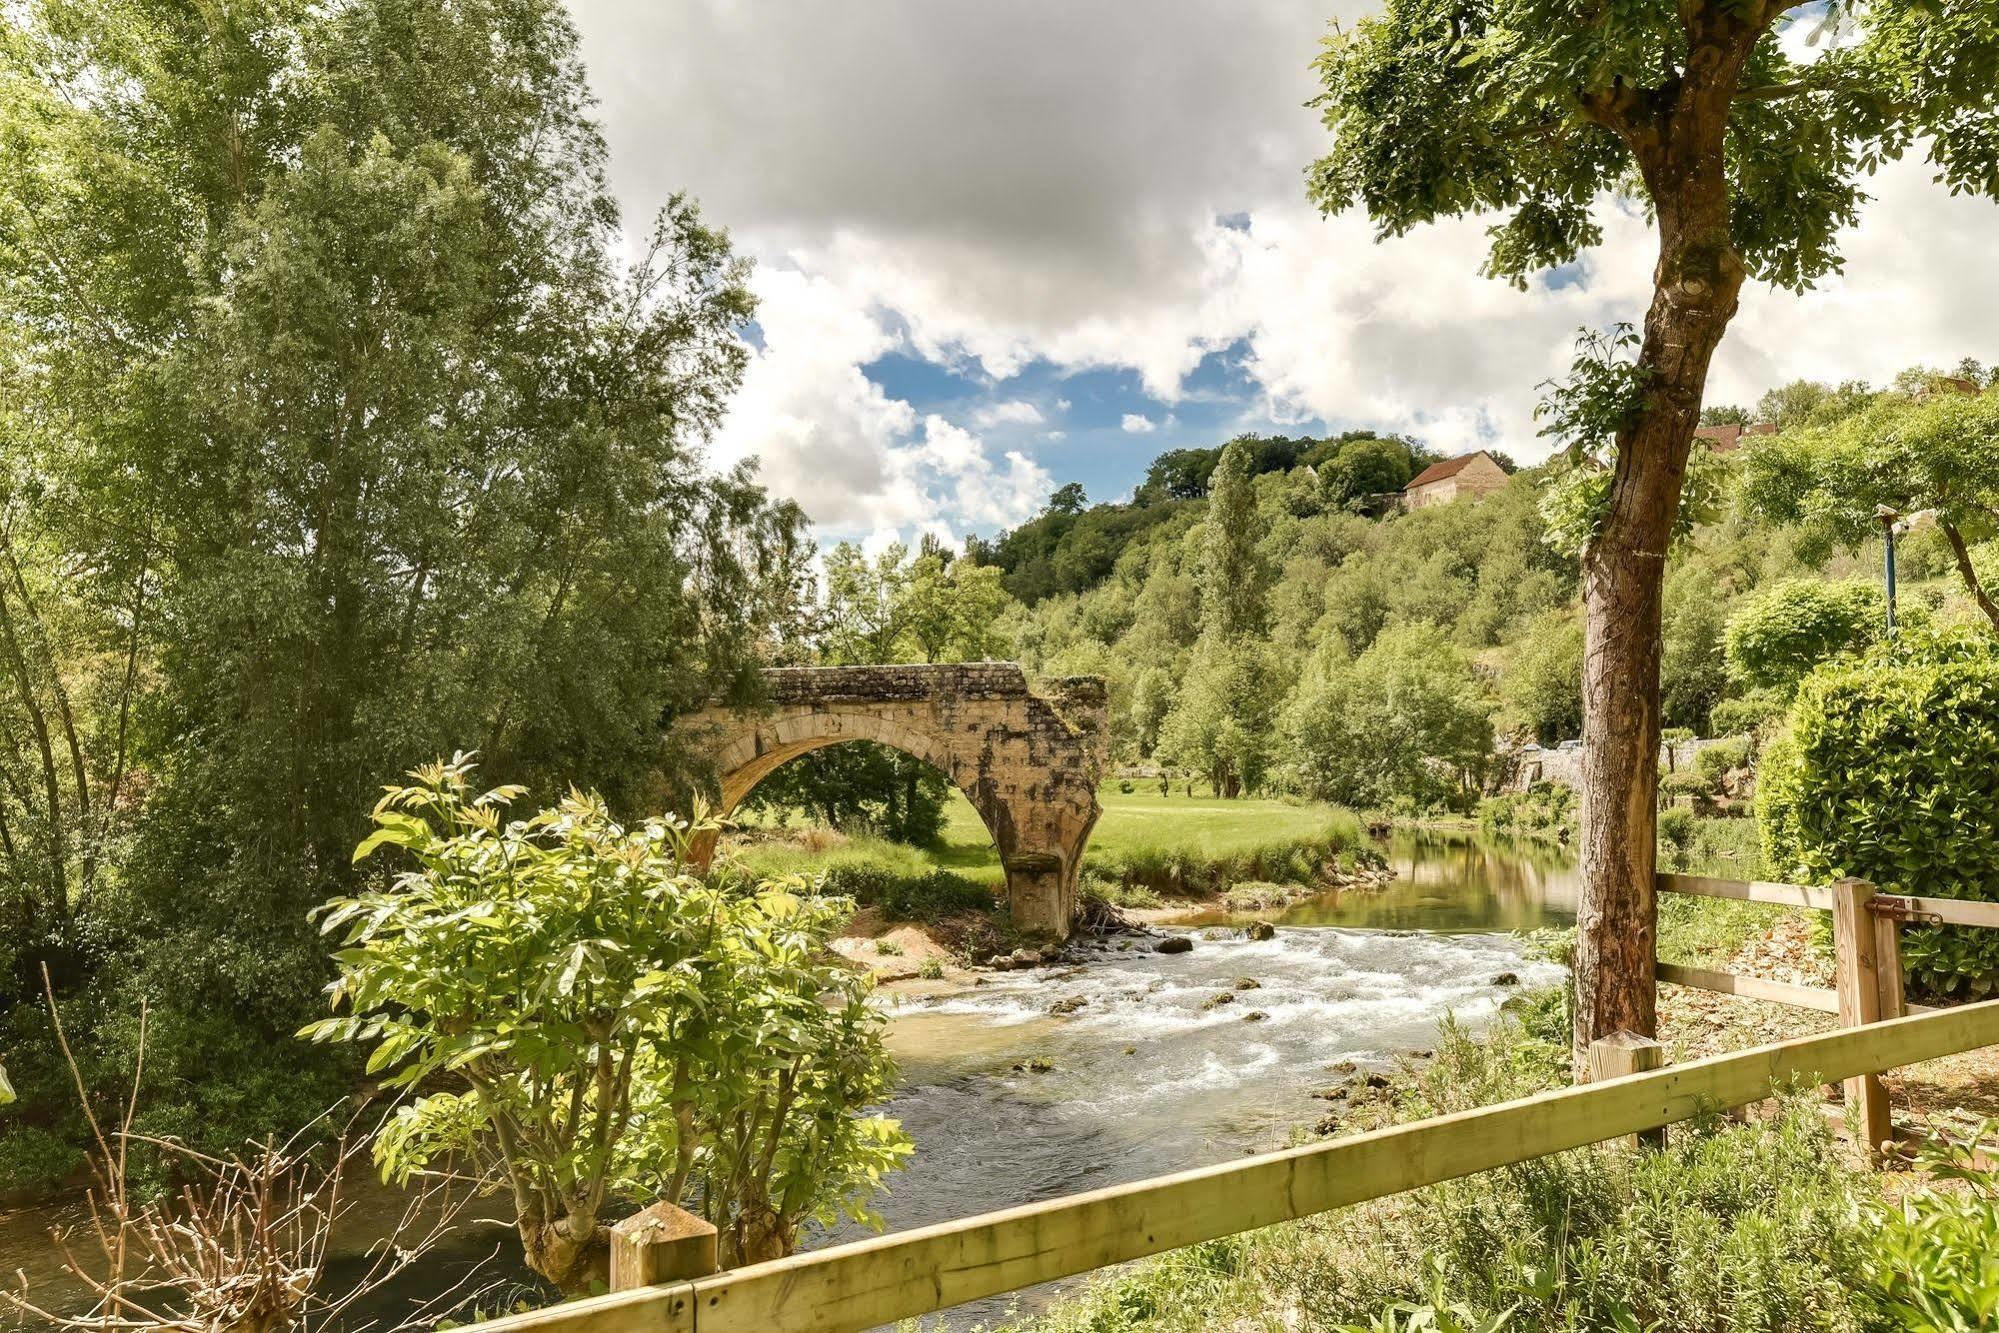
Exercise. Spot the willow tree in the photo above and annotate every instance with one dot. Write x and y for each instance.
(1749, 151)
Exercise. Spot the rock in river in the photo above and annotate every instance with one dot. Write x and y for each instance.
(1070, 1005)
(1174, 944)
(1261, 930)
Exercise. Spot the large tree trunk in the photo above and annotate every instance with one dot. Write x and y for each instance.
(1696, 283)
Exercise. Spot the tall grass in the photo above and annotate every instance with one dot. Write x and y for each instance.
(1748, 1228)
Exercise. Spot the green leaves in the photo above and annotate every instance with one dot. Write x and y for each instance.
(1446, 108)
(392, 829)
(1891, 773)
(613, 1018)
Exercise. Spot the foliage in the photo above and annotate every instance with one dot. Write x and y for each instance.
(1604, 394)
(1887, 775)
(903, 606)
(1932, 1265)
(1716, 760)
(1604, 391)
(1223, 722)
(1781, 632)
(1676, 829)
(1936, 453)
(859, 787)
(1232, 570)
(901, 897)
(1407, 718)
(610, 1023)
(1544, 690)
(1544, 810)
(1733, 1227)
(345, 419)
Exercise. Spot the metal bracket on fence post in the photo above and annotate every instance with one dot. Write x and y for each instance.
(661, 1244)
(1623, 1053)
(1857, 950)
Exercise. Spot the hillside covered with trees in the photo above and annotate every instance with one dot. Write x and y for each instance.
(1265, 627)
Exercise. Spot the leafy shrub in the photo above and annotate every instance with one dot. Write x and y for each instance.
(1719, 759)
(1544, 810)
(32, 1158)
(1693, 786)
(588, 1018)
(1932, 1265)
(1750, 712)
(899, 897)
(1676, 828)
(1786, 629)
(931, 969)
(1891, 774)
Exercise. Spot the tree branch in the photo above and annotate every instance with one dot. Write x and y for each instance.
(1969, 573)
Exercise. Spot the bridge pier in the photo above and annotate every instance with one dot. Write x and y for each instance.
(1028, 762)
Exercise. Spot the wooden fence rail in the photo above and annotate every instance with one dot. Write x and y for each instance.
(914, 1272)
(1867, 964)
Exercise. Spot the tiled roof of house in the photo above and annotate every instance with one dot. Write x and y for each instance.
(1727, 438)
(1445, 470)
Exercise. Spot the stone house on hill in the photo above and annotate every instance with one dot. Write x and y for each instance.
(1468, 476)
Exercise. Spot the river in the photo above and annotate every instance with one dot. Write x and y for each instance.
(1145, 1076)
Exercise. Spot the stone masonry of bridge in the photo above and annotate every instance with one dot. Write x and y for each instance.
(1028, 762)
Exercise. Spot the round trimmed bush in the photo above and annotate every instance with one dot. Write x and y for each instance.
(1891, 774)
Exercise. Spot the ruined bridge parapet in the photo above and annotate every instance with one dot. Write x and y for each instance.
(1029, 761)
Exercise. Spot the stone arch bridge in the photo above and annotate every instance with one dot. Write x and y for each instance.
(1028, 762)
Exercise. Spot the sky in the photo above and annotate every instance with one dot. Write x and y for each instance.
(1000, 247)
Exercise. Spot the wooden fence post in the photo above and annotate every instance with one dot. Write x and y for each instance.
(1856, 968)
(1623, 1053)
(663, 1243)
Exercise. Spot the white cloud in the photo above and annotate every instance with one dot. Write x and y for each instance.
(1012, 412)
(853, 457)
(1137, 423)
(943, 178)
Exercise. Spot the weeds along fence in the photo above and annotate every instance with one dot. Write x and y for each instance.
(1867, 965)
(663, 1260)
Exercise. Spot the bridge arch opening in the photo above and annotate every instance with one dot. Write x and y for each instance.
(1028, 762)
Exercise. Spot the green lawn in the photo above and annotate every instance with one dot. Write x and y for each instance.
(1138, 827)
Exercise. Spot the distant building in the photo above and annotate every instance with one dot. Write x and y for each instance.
(1727, 439)
(1468, 476)
(1947, 384)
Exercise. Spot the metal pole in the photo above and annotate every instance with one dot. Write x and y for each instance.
(1888, 518)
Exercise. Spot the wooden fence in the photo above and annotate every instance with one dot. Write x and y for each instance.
(908, 1273)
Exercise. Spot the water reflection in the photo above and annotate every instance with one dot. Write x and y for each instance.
(1449, 882)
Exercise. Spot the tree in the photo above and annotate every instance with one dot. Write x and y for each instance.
(1367, 467)
(1223, 723)
(950, 611)
(1781, 632)
(341, 429)
(1544, 680)
(1221, 719)
(1808, 402)
(1937, 454)
(1067, 499)
(1232, 573)
(1750, 163)
(1407, 719)
(589, 1018)
(1724, 414)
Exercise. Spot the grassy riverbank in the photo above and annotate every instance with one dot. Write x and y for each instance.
(1146, 842)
